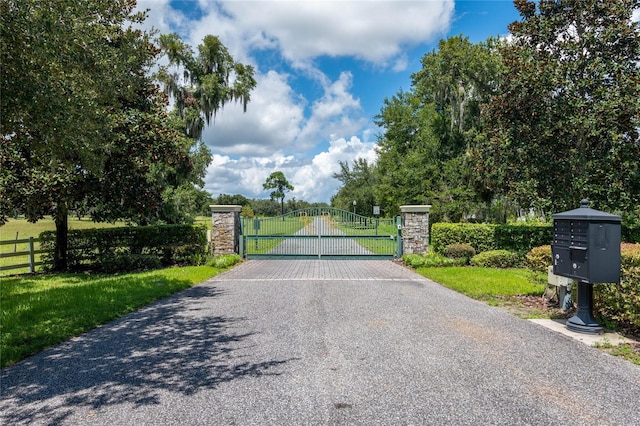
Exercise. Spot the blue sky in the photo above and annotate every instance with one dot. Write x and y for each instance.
(323, 71)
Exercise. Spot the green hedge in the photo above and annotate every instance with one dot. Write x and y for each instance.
(620, 303)
(484, 237)
(130, 248)
(630, 234)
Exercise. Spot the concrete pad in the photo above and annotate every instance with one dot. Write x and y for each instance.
(559, 326)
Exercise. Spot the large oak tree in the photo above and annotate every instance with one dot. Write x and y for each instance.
(84, 125)
(566, 123)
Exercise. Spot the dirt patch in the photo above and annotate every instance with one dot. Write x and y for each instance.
(533, 307)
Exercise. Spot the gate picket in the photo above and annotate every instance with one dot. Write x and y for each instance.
(320, 233)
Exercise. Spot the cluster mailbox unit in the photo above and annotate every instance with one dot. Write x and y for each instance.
(586, 248)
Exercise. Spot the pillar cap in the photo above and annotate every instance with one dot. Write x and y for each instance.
(225, 208)
(415, 209)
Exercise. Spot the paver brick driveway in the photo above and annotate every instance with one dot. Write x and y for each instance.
(320, 342)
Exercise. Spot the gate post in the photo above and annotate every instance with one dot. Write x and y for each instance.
(225, 237)
(415, 229)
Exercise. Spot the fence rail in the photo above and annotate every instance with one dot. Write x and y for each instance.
(30, 252)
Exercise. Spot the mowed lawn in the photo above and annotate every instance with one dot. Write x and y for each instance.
(38, 311)
(484, 283)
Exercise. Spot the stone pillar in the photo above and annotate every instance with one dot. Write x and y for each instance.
(225, 237)
(415, 229)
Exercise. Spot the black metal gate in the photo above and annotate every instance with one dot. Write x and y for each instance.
(320, 232)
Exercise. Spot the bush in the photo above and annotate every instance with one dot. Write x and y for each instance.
(431, 260)
(630, 233)
(479, 236)
(482, 236)
(459, 251)
(522, 237)
(497, 259)
(620, 303)
(224, 261)
(130, 248)
(127, 262)
(538, 259)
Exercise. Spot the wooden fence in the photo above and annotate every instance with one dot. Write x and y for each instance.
(30, 253)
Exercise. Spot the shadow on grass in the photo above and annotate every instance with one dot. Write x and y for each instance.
(176, 345)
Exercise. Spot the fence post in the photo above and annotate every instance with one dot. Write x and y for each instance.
(32, 256)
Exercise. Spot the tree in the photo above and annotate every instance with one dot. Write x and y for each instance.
(236, 199)
(357, 185)
(213, 79)
(280, 184)
(565, 125)
(74, 73)
(423, 152)
(200, 84)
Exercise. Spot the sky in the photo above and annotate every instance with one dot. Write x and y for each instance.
(323, 70)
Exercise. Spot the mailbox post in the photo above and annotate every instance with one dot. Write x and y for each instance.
(586, 248)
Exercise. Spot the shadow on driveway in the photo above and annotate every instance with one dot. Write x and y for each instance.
(175, 345)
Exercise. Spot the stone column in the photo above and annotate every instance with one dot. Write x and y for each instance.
(225, 237)
(415, 229)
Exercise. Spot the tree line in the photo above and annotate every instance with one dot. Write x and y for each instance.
(538, 121)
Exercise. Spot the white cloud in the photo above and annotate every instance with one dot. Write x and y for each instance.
(300, 120)
(271, 124)
(312, 179)
(374, 31)
(636, 15)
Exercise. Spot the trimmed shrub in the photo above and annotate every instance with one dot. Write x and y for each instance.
(620, 303)
(130, 248)
(483, 236)
(459, 251)
(480, 236)
(538, 259)
(497, 259)
(630, 234)
(522, 237)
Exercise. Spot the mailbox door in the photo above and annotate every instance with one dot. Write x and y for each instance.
(560, 247)
(579, 262)
(561, 263)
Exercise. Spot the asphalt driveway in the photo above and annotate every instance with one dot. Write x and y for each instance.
(319, 342)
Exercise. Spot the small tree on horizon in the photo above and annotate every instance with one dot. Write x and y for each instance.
(280, 184)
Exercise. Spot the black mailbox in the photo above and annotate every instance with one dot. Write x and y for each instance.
(586, 245)
(586, 248)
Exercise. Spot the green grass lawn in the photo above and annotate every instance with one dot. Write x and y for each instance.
(484, 283)
(385, 227)
(38, 311)
(271, 226)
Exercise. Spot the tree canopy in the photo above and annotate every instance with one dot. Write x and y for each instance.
(84, 125)
(565, 123)
(540, 120)
(422, 154)
(212, 78)
(357, 185)
(279, 183)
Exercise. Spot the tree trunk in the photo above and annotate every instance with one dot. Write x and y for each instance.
(62, 238)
